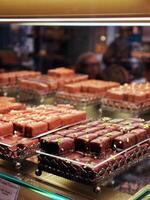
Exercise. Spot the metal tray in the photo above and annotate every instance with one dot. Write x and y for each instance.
(17, 155)
(31, 97)
(34, 97)
(76, 99)
(125, 106)
(98, 174)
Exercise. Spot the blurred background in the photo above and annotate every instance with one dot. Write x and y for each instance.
(109, 53)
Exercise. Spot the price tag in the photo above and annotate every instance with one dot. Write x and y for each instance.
(8, 191)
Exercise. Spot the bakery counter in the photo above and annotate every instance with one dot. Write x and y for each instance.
(49, 186)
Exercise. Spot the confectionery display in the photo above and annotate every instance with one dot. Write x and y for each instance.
(74, 100)
(65, 140)
(92, 151)
(19, 127)
(129, 97)
(31, 122)
(85, 91)
(99, 137)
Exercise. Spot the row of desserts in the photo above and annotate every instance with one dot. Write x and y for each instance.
(33, 121)
(92, 170)
(90, 86)
(98, 136)
(130, 92)
(18, 125)
(47, 83)
(55, 79)
(59, 77)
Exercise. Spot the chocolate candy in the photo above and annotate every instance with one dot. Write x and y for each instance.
(61, 72)
(124, 141)
(6, 129)
(81, 143)
(72, 118)
(103, 132)
(78, 127)
(59, 145)
(126, 128)
(10, 140)
(75, 134)
(20, 125)
(53, 122)
(46, 140)
(100, 145)
(33, 129)
(95, 129)
(113, 134)
(140, 134)
(65, 132)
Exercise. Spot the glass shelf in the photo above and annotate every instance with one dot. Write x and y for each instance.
(27, 181)
(31, 187)
(143, 194)
(54, 187)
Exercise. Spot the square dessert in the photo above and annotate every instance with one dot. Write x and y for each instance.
(82, 142)
(124, 141)
(100, 145)
(33, 129)
(57, 144)
(6, 128)
(140, 134)
(53, 122)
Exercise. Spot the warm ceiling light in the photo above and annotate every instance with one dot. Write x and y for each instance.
(103, 38)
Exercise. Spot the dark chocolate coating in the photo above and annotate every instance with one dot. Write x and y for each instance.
(124, 141)
(81, 143)
(140, 134)
(59, 145)
(100, 145)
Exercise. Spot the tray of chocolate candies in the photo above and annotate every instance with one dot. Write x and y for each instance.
(20, 129)
(131, 98)
(94, 152)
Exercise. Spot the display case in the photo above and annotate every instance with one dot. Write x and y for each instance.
(52, 187)
(49, 186)
(110, 158)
